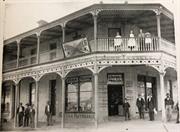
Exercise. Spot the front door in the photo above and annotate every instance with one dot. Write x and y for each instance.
(115, 100)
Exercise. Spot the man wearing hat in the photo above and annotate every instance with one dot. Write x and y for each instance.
(151, 106)
(168, 106)
(126, 107)
(140, 105)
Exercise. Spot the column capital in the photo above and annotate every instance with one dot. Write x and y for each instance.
(63, 25)
(96, 73)
(18, 41)
(158, 11)
(162, 73)
(38, 34)
(95, 12)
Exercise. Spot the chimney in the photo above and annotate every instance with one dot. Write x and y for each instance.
(41, 23)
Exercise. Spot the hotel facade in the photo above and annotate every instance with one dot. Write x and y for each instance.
(80, 65)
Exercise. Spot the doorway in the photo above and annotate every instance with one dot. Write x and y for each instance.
(52, 86)
(115, 100)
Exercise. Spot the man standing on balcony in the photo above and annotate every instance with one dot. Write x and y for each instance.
(141, 37)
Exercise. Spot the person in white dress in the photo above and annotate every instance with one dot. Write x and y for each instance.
(148, 41)
(131, 41)
(117, 42)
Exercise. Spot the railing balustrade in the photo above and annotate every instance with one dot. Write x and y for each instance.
(29, 60)
(10, 65)
(128, 44)
(103, 45)
(50, 55)
(168, 47)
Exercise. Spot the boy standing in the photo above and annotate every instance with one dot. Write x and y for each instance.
(126, 107)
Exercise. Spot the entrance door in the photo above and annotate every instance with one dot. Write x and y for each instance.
(115, 100)
(53, 96)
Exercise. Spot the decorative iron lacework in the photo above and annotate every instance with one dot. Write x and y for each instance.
(156, 60)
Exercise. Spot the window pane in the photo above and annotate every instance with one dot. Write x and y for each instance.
(86, 86)
(72, 88)
(86, 102)
(72, 105)
(141, 88)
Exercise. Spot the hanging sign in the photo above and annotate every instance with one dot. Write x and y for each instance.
(76, 47)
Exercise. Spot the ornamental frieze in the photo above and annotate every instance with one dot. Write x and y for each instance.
(156, 60)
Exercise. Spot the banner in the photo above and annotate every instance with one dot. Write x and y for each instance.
(76, 47)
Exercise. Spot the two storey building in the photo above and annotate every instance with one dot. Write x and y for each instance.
(88, 62)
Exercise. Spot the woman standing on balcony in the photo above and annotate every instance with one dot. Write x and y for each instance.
(117, 42)
(147, 41)
(131, 41)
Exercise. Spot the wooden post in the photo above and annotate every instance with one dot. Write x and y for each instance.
(63, 103)
(95, 31)
(2, 14)
(158, 16)
(162, 96)
(18, 53)
(63, 33)
(37, 104)
(16, 105)
(38, 48)
(96, 98)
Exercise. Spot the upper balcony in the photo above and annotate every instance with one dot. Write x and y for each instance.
(94, 30)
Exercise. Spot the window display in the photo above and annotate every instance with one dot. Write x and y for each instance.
(79, 95)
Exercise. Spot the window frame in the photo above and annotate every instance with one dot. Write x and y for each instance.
(79, 81)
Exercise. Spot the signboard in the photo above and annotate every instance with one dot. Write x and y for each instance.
(76, 47)
(115, 78)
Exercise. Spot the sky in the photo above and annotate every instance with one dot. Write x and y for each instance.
(23, 15)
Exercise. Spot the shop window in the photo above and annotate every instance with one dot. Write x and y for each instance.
(79, 94)
(146, 86)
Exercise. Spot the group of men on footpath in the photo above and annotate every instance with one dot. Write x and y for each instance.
(150, 105)
(140, 103)
(26, 115)
(169, 104)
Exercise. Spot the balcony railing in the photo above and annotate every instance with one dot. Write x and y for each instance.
(51, 55)
(168, 47)
(29, 60)
(10, 65)
(123, 44)
(128, 44)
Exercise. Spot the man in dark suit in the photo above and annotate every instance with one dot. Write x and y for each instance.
(48, 112)
(26, 115)
(140, 104)
(32, 116)
(20, 113)
(126, 107)
(151, 106)
(168, 106)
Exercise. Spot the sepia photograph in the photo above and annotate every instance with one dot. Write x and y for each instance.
(90, 66)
